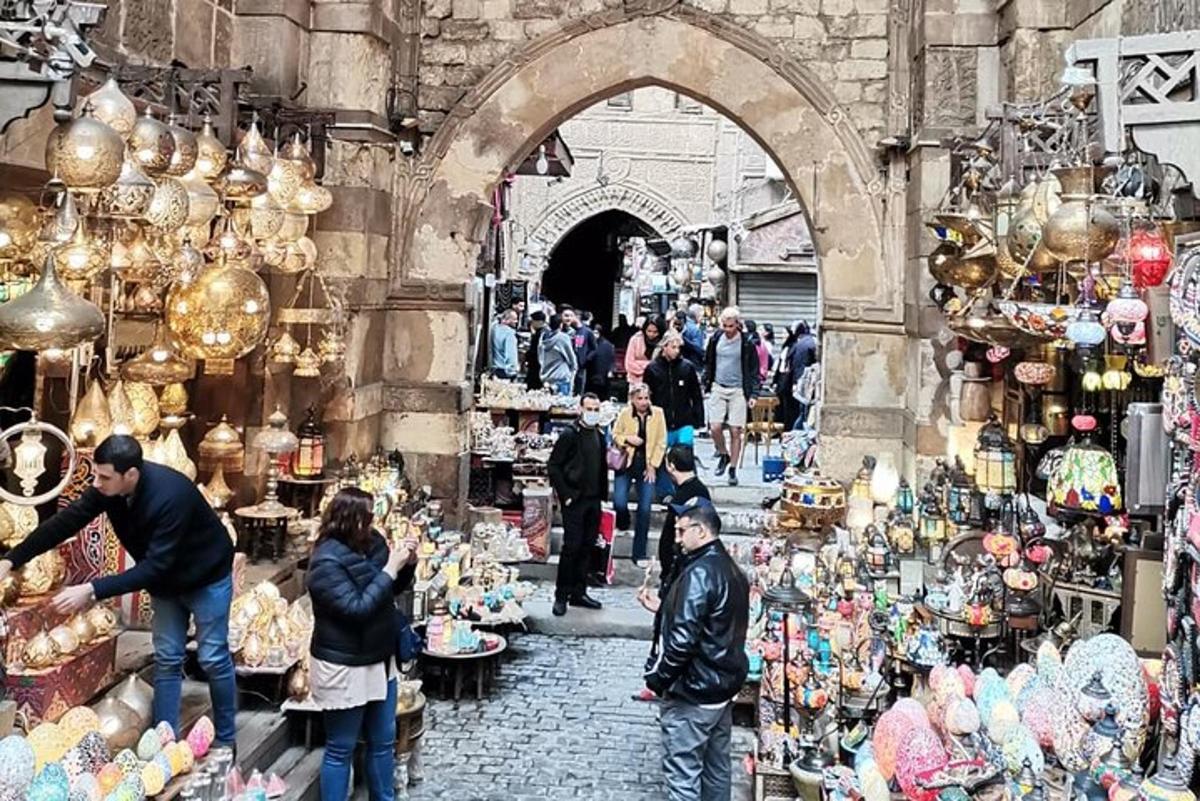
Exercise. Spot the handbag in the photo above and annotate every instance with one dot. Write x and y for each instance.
(409, 644)
(615, 457)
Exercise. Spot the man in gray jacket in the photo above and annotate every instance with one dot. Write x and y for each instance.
(557, 354)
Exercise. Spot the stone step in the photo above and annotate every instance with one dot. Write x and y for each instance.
(300, 769)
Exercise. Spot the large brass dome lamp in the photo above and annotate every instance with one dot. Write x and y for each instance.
(49, 316)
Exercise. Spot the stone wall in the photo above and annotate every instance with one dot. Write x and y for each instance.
(198, 33)
(843, 42)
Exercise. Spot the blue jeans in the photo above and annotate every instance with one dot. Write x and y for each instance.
(342, 727)
(559, 387)
(210, 607)
(645, 497)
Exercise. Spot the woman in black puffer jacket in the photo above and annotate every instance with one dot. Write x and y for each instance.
(353, 577)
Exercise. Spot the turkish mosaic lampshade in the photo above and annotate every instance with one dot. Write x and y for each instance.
(1086, 480)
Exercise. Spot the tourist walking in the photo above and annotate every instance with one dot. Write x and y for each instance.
(503, 349)
(798, 354)
(584, 342)
(533, 356)
(353, 578)
(764, 354)
(641, 349)
(599, 377)
(693, 337)
(700, 663)
(640, 433)
(184, 561)
(731, 376)
(675, 388)
(557, 356)
(579, 476)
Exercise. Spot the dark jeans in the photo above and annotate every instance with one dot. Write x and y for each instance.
(696, 757)
(169, 629)
(377, 721)
(636, 480)
(581, 524)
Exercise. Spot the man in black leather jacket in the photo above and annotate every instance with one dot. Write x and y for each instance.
(700, 663)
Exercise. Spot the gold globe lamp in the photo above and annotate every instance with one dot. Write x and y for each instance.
(92, 421)
(18, 226)
(168, 210)
(113, 108)
(85, 153)
(151, 144)
(49, 316)
(86, 256)
(211, 155)
(187, 149)
(219, 317)
(160, 364)
(129, 196)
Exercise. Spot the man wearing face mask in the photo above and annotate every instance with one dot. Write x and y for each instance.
(579, 476)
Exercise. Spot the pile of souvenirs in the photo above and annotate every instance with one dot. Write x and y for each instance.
(265, 631)
(472, 582)
(497, 393)
(447, 636)
(48, 648)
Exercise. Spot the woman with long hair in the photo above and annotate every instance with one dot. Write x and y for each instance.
(641, 349)
(353, 578)
(641, 433)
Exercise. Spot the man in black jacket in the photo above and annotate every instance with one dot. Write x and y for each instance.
(579, 476)
(584, 342)
(184, 561)
(533, 359)
(701, 661)
(731, 378)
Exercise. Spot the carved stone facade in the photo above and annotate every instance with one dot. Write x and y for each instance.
(659, 156)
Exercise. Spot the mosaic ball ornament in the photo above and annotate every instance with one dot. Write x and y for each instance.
(1037, 715)
(894, 726)
(128, 762)
(48, 743)
(1028, 691)
(86, 788)
(1018, 678)
(200, 738)
(1123, 677)
(968, 679)
(166, 734)
(78, 721)
(1022, 745)
(181, 756)
(164, 762)
(51, 784)
(988, 693)
(148, 745)
(96, 748)
(1003, 720)
(153, 778)
(1049, 662)
(1070, 736)
(134, 786)
(109, 777)
(946, 684)
(17, 764)
(920, 753)
(73, 762)
(962, 717)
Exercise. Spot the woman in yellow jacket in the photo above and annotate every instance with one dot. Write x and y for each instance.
(641, 433)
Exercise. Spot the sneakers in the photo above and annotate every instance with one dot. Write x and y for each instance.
(645, 694)
(733, 481)
(722, 463)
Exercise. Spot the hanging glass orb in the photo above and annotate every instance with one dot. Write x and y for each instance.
(1086, 331)
(1149, 257)
(1127, 307)
(151, 144)
(86, 256)
(203, 202)
(311, 199)
(211, 156)
(113, 108)
(221, 315)
(254, 152)
(85, 153)
(129, 196)
(168, 209)
(187, 149)
(18, 225)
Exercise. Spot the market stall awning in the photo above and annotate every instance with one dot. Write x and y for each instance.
(556, 158)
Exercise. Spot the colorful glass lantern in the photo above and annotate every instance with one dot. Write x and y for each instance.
(995, 463)
(1126, 315)
(879, 553)
(1149, 257)
(958, 498)
(933, 522)
(905, 500)
(1086, 479)
(901, 532)
(1086, 331)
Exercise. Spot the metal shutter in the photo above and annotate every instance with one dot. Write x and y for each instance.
(778, 298)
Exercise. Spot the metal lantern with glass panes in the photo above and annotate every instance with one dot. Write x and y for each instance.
(995, 464)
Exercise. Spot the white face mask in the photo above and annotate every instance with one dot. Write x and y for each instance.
(591, 419)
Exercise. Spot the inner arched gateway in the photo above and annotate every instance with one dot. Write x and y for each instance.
(856, 233)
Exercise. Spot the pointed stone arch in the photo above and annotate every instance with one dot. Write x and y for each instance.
(646, 204)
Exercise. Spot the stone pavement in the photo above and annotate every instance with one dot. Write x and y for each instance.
(559, 724)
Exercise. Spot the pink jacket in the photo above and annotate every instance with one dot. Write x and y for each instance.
(764, 361)
(636, 358)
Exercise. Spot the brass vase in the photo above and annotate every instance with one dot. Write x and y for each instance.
(1081, 229)
(92, 421)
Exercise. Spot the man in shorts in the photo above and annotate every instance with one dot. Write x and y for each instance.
(731, 378)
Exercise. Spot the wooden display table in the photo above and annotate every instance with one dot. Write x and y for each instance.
(454, 668)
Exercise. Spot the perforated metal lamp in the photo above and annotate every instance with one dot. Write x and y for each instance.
(275, 440)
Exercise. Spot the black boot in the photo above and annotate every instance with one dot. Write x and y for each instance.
(586, 601)
(560, 608)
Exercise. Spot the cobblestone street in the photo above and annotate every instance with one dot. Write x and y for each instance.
(565, 704)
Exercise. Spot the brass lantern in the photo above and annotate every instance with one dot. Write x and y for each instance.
(211, 156)
(219, 317)
(254, 152)
(86, 256)
(18, 226)
(995, 463)
(1080, 230)
(129, 196)
(933, 523)
(187, 149)
(160, 364)
(222, 449)
(49, 316)
(168, 210)
(85, 153)
(151, 144)
(113, 108)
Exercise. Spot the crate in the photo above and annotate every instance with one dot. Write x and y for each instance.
(770, 784)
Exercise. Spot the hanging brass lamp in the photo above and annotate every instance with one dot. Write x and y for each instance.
(211, 155)
(187, 149)
(160, 364)
(151, 144)
(113, 108)
(18, 225)
(92, 422)
(85, 153)
(49, 316)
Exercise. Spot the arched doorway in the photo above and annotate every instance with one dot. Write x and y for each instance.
(857, 217)
(585, 265)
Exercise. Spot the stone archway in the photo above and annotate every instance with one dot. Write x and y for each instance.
(642, 202)
(856, 213)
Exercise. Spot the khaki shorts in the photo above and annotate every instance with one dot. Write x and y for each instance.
(726, 405)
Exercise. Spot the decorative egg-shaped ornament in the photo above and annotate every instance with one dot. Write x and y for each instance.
(254, 152)
(153, 779)
(78, 720)
(164, 762)
(94, 750)
(86, 788)
(181, 756)
(200, 738)
(132, 785)
(961, 717)
(311, 198)
(47, 742)
(51, 784)
(148, 745)
(73, 763)
(128, 762)
(65, 639)
(109, 777)
(112, 107)
(166, 734)
(18, 764)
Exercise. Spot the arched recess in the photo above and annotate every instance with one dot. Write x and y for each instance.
(639, 201)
